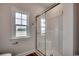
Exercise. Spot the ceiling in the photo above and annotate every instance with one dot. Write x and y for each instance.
(44, 5)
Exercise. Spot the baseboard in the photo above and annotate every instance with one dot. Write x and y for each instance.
(26, 53)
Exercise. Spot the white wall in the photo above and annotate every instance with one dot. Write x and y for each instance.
(24, 45)
(68, 19)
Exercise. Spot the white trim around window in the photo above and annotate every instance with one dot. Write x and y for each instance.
(13, 24)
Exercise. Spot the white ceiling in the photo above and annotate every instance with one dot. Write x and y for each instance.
(44, 5)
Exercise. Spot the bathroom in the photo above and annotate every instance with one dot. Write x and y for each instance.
(52, 29)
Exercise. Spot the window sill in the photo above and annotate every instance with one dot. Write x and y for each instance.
(20, 37)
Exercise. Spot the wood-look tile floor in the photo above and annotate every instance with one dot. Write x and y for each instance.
(32, 54)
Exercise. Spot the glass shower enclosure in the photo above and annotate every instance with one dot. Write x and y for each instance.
(41, 34)
(49, 32)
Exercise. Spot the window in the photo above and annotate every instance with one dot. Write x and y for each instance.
(42, 26)
(21, 24)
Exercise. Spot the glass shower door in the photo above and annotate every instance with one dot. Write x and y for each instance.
(41, 41)
(50, 32)
(54, 31)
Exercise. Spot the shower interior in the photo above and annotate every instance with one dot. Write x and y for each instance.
(49, 31)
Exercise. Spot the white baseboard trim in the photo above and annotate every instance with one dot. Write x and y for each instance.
(26, 53)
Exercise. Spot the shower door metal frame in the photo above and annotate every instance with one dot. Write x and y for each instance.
(49, 8)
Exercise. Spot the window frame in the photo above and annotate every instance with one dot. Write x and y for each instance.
(13, 24)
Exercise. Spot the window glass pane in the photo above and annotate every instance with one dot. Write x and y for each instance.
(24, 22)
(42, 28)
(18, 15)
(42, 25)
(21, 31)
(42, 20)
(18, 21)
(24, 16)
